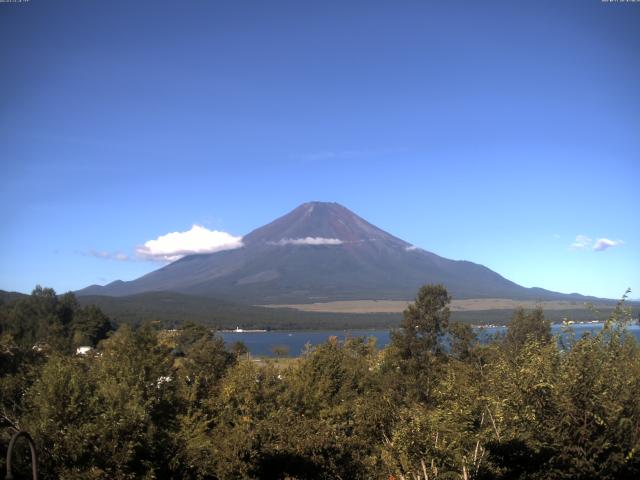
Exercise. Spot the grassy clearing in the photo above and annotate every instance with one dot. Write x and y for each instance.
(279, 363)
(397, 306)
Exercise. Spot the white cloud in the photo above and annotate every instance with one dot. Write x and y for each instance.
(604, 243)
(175, 245)
(119, 256)
(309, 241)
(581, 242)
(411, 248)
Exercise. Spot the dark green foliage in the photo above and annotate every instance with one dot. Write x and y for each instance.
(514, 459)
(462, 339)
(173, 309)
(109, 415)
(19, 368)
(153, 403)
(239, 348)
(52, 322)
(417, 350)
(425, 322)
(526, 326)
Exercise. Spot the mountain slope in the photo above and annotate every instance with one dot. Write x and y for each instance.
(321, 252)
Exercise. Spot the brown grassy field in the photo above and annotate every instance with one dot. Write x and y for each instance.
(397, 306)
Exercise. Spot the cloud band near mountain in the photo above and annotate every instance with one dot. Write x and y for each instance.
(175, 245)
(309, 241)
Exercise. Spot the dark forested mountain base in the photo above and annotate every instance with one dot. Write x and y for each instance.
(172, 309)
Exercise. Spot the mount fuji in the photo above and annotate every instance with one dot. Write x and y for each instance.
(322, 252)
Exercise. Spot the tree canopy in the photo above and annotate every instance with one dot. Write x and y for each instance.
(153, 403)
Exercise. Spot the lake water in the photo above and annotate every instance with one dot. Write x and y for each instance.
(262, 343)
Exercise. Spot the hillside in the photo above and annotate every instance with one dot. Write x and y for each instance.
(172, 309)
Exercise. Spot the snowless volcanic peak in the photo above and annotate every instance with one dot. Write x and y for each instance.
(320, 252)
(320, 223)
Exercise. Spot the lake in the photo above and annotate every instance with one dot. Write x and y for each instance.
(261, 343)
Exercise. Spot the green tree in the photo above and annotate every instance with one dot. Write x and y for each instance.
(106, 416)
(596, 431)
(205, 362)
(463, 340)
(19, 368)
(525, 326)
(89, 326)
(416, 350)
(239, 349)
(55, 323)
(280, 351)
(425, 323)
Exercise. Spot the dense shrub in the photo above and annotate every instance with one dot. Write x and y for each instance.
(149, 403)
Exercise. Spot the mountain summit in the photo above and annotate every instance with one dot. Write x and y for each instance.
(321, 252)
(324, 221)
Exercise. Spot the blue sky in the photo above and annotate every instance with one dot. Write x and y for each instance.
(495, 132)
